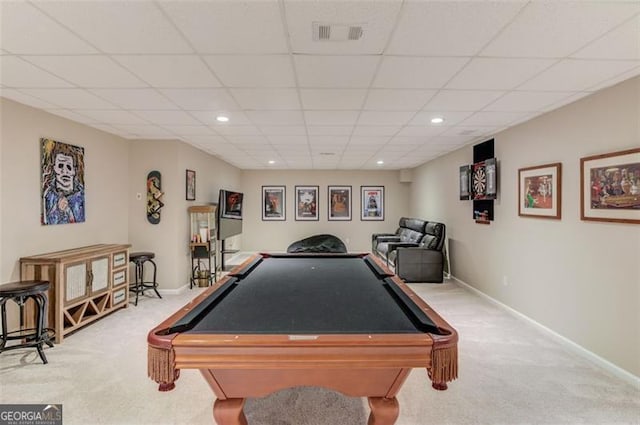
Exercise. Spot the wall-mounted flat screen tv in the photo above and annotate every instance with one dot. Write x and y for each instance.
(230, 204)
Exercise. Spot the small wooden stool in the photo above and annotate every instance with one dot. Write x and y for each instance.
(20, 292)
(139, 285)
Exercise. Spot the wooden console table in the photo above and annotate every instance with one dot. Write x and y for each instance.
(86, 284)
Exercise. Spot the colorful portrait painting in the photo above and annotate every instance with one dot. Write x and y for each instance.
(273, 203)
(339, 203)
(62, 183)
(539, 190)
(307, 203)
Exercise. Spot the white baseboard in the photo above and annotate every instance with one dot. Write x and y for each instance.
(176, 291)
(576, 348)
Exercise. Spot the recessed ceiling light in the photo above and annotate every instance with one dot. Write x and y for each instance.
(380, 162)
(272, 161)
(437, 120)
(222, 118)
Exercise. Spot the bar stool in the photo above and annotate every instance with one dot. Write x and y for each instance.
(20, 292)
(139, 285)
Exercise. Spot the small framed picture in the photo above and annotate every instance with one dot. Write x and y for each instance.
(339, 203)
(372, 203)
(610, 187)
(191, 185)
(539, 191)
(465, 182)
(307, 203)
(274, 203)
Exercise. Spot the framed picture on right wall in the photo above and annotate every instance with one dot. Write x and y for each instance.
(539, 193)
(610, 187)
(372, 203)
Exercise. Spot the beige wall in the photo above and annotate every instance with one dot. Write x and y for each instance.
(356, 234)
(169, 239)
(581, 279)
(106, 182)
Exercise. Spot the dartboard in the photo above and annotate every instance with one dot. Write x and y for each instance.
(479, 181)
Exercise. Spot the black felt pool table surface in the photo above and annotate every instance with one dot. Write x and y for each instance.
(298, 294)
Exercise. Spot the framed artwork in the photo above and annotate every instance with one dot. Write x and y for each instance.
(339, 203)
(61, 183)
(465, 182)
(191, 185)
(484, 179)
(540, 191)
(230, 204)
(610, 187)
(372, 203)
(306, 203)
(273, 203)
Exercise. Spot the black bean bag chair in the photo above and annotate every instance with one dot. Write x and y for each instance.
(318, 243)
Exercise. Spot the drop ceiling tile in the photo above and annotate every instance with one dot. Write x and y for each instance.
(234, 27)
(113, 117)
(201, 99)
(335, 71)
(462, 100)
(26, 30)
(541, 29)
(25, 99)
(410, 140)
(527, 101)
(377, 20)
(376, 130)
(449, 28)
(16, 72)
(368, 140)
(397, 100)
(247, 140)
(416, 72)
(145, 98)
(327, 99)
(163, 71)
(385, 117)
(282, 130)
(208, 140)
(266, 99)
(87, 71)
(253, 70)
(119, 27)
(492, 118)
(73, 116)
(145, 131)
(324, 141)
(288, 140)
(577, 75)
(275, 117)
(331, 118)
(330, 130)
(236, 118)
(497, 73)
(423, 118)
(167, 117)
(237, 130)
(621, 43)
(70, 98)
(189, 130)
(421, 131)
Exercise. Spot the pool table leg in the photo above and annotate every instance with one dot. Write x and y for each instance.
(229, 412)
(384, 411)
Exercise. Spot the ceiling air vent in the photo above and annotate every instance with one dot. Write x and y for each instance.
(336, 32)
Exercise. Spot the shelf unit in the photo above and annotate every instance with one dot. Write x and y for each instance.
(203, 244)
(86, 284)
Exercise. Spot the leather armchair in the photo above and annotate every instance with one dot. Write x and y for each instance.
(423, 261)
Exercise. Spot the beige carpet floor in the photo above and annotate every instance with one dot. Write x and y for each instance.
(510, 373)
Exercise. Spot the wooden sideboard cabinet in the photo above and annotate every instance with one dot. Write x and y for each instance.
(86, 284)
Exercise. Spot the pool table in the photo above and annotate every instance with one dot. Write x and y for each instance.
(339, 321)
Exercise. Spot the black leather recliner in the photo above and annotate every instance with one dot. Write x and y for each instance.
(423, 262)
(415, 250)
